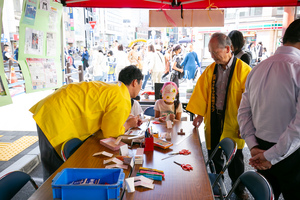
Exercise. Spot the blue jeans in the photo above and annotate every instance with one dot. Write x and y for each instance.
(98, 78)
(111, 78)
(146, 77)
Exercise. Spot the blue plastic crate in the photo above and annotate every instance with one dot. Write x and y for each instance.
(62, 189)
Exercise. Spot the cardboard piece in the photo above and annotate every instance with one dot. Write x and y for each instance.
(110, 143)
(130, 184)
(103, 153)
(124, 150)
(116, 166)
(115, 160)
(191, 18)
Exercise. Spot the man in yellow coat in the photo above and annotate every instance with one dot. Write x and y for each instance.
(78, 110)
(216, 98)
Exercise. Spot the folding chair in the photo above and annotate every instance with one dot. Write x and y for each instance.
(12, 183)
(257, 185)
(228, 147)
(149, 111)
(69, 147)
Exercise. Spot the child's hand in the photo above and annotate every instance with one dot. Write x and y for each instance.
(172, 117)
(162, 119)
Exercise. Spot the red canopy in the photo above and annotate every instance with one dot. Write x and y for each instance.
(149, 4)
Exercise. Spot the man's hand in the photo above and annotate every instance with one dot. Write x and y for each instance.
(258, 160)
(255, 150)
(132, 122)
(197, 121)
(139, 121)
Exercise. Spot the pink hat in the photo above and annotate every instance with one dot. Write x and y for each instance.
(167, 83)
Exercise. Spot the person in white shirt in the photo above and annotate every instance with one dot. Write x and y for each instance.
(158, 65)
(148, 63)
(136, 109)
(99, 65)
(269, 116)
(169, 107)
(121, 59)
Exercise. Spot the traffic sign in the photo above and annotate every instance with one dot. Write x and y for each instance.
(93, 23)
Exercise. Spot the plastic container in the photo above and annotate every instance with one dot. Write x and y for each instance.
(113, 178)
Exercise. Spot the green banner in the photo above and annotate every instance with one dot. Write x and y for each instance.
(40, 42)
(4, 92)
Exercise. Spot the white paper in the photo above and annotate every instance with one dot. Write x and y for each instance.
(131, 163)
(52, 19)
(42, 72)
(124, 150)
(51, 44)
(130, 184)
(115, 160)
(144, 184)
(103, 153)
(169, 124)
(144, 179)
(33, 41)
(44, 5)
(116, 166)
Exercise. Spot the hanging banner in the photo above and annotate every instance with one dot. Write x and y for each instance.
(30, 12)
(191, 18)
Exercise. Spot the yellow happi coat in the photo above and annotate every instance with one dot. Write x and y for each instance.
(81, 109)
(200, 101)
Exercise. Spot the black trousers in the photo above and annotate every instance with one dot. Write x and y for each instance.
(85, 64)
(51, 161)
(284, 177)
(174, 78)
(236, 167)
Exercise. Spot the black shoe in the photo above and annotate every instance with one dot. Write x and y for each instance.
(242, 195)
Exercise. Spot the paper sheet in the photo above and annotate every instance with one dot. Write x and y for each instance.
(33, 42)
(42, 72)
(51, 44)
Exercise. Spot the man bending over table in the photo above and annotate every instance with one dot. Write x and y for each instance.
(78, 110)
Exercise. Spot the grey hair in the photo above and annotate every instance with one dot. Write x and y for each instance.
(223, 40)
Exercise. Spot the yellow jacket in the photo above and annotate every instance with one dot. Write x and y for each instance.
(81, 109)
(200, 101)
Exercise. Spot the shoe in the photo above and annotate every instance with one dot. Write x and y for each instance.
(242, 195)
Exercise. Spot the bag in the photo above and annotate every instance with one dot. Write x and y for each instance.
(179, 74)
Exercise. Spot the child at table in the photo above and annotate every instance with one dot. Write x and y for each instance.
(169, 107)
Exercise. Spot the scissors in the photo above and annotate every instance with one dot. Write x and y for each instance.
(185, 167)
(182, 152)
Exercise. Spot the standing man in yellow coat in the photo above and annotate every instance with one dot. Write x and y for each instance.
(78, 110)
(216, 98)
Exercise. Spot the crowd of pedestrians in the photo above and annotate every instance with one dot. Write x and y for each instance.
(156, 62)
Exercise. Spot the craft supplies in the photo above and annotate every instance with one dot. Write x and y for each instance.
(162, 143)
(110, 143)
(139, 156)
(103, 153)
(182, 152)
(185, 167)
(181, 132)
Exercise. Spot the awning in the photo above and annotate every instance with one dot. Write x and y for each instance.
(187, 4)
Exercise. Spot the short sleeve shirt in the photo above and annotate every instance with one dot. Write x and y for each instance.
(166, 109)
(136, 108)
